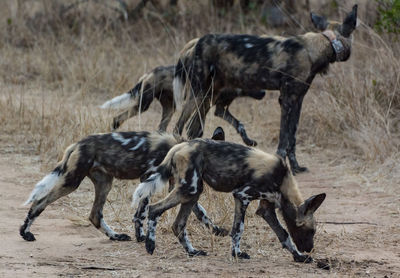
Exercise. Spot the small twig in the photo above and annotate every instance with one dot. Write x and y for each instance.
(348, 223)
(100, 268)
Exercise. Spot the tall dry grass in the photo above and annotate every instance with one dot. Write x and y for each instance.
(55, 72)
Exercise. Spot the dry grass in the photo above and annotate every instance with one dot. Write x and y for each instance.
(53, 77)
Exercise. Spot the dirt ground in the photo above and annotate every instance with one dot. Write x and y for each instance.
(359, 233)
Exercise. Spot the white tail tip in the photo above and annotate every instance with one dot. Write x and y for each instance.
(43, 187)
(178, 92)
(118, 102)
(151, 186)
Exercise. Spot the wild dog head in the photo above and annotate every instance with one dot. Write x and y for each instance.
(301, 223)
(339, 33)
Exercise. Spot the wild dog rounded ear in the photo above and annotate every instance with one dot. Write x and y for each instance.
(218, 134)
(350, 22)
(313, 203)
(319, 22)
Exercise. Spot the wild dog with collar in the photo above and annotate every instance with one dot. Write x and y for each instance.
(157, 84)
(249, 174)
(103, 157)
(259, 62)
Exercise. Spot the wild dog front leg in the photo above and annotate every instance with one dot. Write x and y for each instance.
(201, 215)
(267, 211)
(293, 124)
(223, 113)
(238, 227)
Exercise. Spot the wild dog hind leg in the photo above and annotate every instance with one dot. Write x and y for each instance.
(102, 185)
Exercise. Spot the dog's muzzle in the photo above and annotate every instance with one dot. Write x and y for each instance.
(340, 46)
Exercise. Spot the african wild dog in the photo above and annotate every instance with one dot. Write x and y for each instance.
(260, 62)
(158, 84)
(249, 174)
(102, 157)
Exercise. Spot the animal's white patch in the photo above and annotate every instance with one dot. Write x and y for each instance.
(273, 197)
(118, 137)
(148, 188)
(118, 102)
(188, 246)
(195, 179)
(249, 45)
(28, 225)
(106, 229)
(204, 218)
(151, 167)
(151, 224)
(43, 187)
(289, 245)
(246, 39)
(178, 92)
(138, 145)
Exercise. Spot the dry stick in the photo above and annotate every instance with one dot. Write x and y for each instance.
(100, 268)
(348, 223)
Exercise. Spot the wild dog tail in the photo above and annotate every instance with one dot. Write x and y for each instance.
(157, 181)
(124, 100)
(178, 84)
(55, 178)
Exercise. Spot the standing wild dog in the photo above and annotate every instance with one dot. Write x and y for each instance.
(249, 174)
(158, 84)
(260, 62)
(102, 157)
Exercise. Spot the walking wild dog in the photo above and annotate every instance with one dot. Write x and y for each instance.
(158, 84)
(102, 157)
(249, 174)
(260, 62)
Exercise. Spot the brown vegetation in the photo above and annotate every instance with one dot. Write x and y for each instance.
(55, 71)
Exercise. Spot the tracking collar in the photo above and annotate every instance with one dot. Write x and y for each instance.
(337, 45)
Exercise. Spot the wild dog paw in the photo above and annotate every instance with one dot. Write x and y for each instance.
(298, 169)
(218, 231)
(28, 236)
(120, 237)
(140, 238)
(150, 246)
(302, 259)
(197, 253)
(250, 142)
(241, 255)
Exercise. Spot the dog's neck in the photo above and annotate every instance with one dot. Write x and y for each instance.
(337, 45)
(319, 50)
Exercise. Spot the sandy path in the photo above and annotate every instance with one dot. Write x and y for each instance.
(65, 249)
